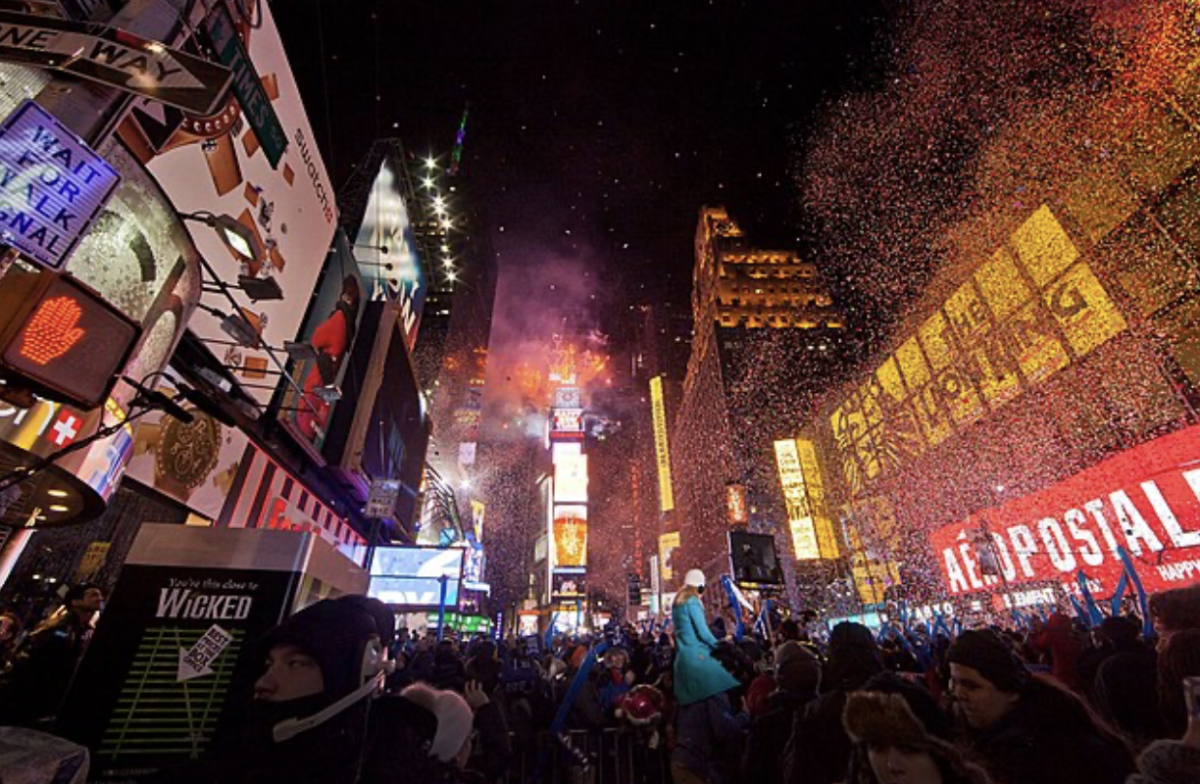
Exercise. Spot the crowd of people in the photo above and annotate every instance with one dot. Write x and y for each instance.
(342, 696)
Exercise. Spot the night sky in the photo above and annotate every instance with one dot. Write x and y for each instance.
(597, 129)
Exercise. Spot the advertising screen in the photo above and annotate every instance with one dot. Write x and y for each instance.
(385, 245)
(736, 505)
(795, 497)
(332, 324)
(262, 494)
(568, 586)
(570, 536)
(410, 576)
(754, 558)
(380, 429)
(662, 453)
(1146, 499)
(194, 463)
(570, 479)
(667, 545)
(274, 184)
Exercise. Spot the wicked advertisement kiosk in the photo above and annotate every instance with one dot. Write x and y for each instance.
(173, 654)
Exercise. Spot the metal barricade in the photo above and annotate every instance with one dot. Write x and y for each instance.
(608, 756)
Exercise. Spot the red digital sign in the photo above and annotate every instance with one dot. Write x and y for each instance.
(66, 342)
(1146, 499)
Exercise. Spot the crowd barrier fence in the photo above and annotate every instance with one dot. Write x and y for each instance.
(608, 756)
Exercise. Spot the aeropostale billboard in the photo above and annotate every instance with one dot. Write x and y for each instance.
(1145, 499)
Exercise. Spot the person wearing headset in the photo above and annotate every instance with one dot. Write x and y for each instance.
(310, 719)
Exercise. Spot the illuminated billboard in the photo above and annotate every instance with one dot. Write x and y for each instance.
(335, 314)
(570, 478)
(814, 488)
(566, 421)
(658, 409)
(478, 511)
(667, 545)
(570, 529)
(1021, 318)
(386, 247)
(220, 165)
(796, 501)
(736, 505)
(410, 577)
(380, 429)
(568, 587)
(1145, 499)
(194, 463)
(259, 492)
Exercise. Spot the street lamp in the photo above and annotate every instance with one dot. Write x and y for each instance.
(236, 326)
(237, 235)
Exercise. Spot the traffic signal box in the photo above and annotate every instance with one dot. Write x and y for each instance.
(60, 339)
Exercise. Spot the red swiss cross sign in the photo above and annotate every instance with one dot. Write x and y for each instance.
(65, 428)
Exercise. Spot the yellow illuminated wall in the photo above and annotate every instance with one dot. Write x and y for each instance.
(804, 497)
(815, 488)
(1026, 313)
(666, 498)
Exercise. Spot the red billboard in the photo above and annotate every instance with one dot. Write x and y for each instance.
(1146, 499)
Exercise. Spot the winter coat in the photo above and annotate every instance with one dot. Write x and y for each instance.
(34, 687)
(1043, 741)
(758, 696)
(488, 672)
(449, 672)
(704, 732)
(697, 674)
(1125, 692)
(1065, 647)
(769, 733)
(818, 751)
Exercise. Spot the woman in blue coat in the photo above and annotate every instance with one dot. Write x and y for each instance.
(705, 723)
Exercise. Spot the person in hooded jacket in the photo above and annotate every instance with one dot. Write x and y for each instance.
(449, 672)
(819, 748)
(797, 676)
(309, 662)
(1124, 686)
(1029, 728)
(485, 667)
(1179, 659)
(1059, 640)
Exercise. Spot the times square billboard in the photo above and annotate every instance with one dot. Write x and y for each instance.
(1145, 499)
(261, 168)
(1047, 384)
(386, 248)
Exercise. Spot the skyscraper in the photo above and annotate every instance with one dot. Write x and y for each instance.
(767, 338)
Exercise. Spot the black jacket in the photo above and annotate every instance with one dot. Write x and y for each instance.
(769, 733)
(32, 690)
(1047, 740)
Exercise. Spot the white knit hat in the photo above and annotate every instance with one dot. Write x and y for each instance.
(694, 578)
(454, 718)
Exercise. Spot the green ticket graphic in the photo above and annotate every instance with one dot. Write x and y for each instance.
(157, 713)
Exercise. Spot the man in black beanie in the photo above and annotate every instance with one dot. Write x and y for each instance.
(308, 720)
(987, 677)
(1028, 728)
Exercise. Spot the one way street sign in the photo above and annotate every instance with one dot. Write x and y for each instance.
(116, 58)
